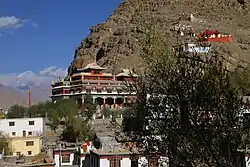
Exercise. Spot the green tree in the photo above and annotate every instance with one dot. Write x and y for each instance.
(77, 130)
(106, 112)
(186, 108)
(37, 110)
(240, 78)
(5, 144)
(17, 111)
(65, 113)
(60, 112)
(54, 121)
(90, 107)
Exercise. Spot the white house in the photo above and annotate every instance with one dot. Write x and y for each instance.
(72, 156)
(67, 156)
(22, 127)
(192, 48)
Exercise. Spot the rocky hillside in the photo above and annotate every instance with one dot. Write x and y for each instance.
(115, 43)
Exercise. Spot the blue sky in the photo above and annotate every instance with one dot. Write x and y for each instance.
(36, 34)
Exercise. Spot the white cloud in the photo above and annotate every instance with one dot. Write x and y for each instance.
(11, 22)
(44, 77)
(54, 71)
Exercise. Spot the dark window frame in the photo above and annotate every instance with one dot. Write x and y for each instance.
(29, 143)
(12, 123)
(31, 122)
(65, 158)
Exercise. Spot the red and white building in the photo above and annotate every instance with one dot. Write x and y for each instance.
(125, 159)
(106, 89)
(214, 36)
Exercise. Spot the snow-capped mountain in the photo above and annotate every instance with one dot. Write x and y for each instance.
(39, 84)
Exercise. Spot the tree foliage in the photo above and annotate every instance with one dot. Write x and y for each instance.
(17, 111)
(186, 108)
(240, 78)
(77, 130)
(5, 145)
(64, 113)
(37, 110)
(90, 107)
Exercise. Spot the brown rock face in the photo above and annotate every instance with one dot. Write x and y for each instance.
(116, 42)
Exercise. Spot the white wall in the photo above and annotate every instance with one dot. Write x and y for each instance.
(125, 162)
(56, 158)
(104, 163)
(22, 124)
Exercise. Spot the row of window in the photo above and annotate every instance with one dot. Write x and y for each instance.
(12, 123)
(29, 153)
(90, 91)
(24, 133)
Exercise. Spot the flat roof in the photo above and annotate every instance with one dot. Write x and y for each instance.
(117, 152)
(27, 118)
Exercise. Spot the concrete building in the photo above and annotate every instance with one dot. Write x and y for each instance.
(193, 48)
(78, 155)
(25, 134)
(22, 127)
(67, 156)
(28, 146)
(107, 90)
(124, 158)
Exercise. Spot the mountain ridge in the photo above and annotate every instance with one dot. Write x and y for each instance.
(10, 96)
(116, 43)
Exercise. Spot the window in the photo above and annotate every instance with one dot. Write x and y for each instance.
(134, 163)
(18, 153)
(109, 91)
(99, 91)
(31, 123)
(29, 133)
(65, 158)
(24, 133)
(119, 91)
(29, 152)
(13, 133)
(114, 163)
(29, 143)
(11, 123)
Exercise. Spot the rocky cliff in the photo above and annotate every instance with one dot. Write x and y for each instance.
(115, 43)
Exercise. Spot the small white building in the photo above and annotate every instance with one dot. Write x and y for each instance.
(193, 48)
(22, 127)
(125, 159)
(67, 156)
(72, 156)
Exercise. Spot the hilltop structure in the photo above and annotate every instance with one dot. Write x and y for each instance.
(106, 89)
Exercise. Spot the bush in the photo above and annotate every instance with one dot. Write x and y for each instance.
(106, 112)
